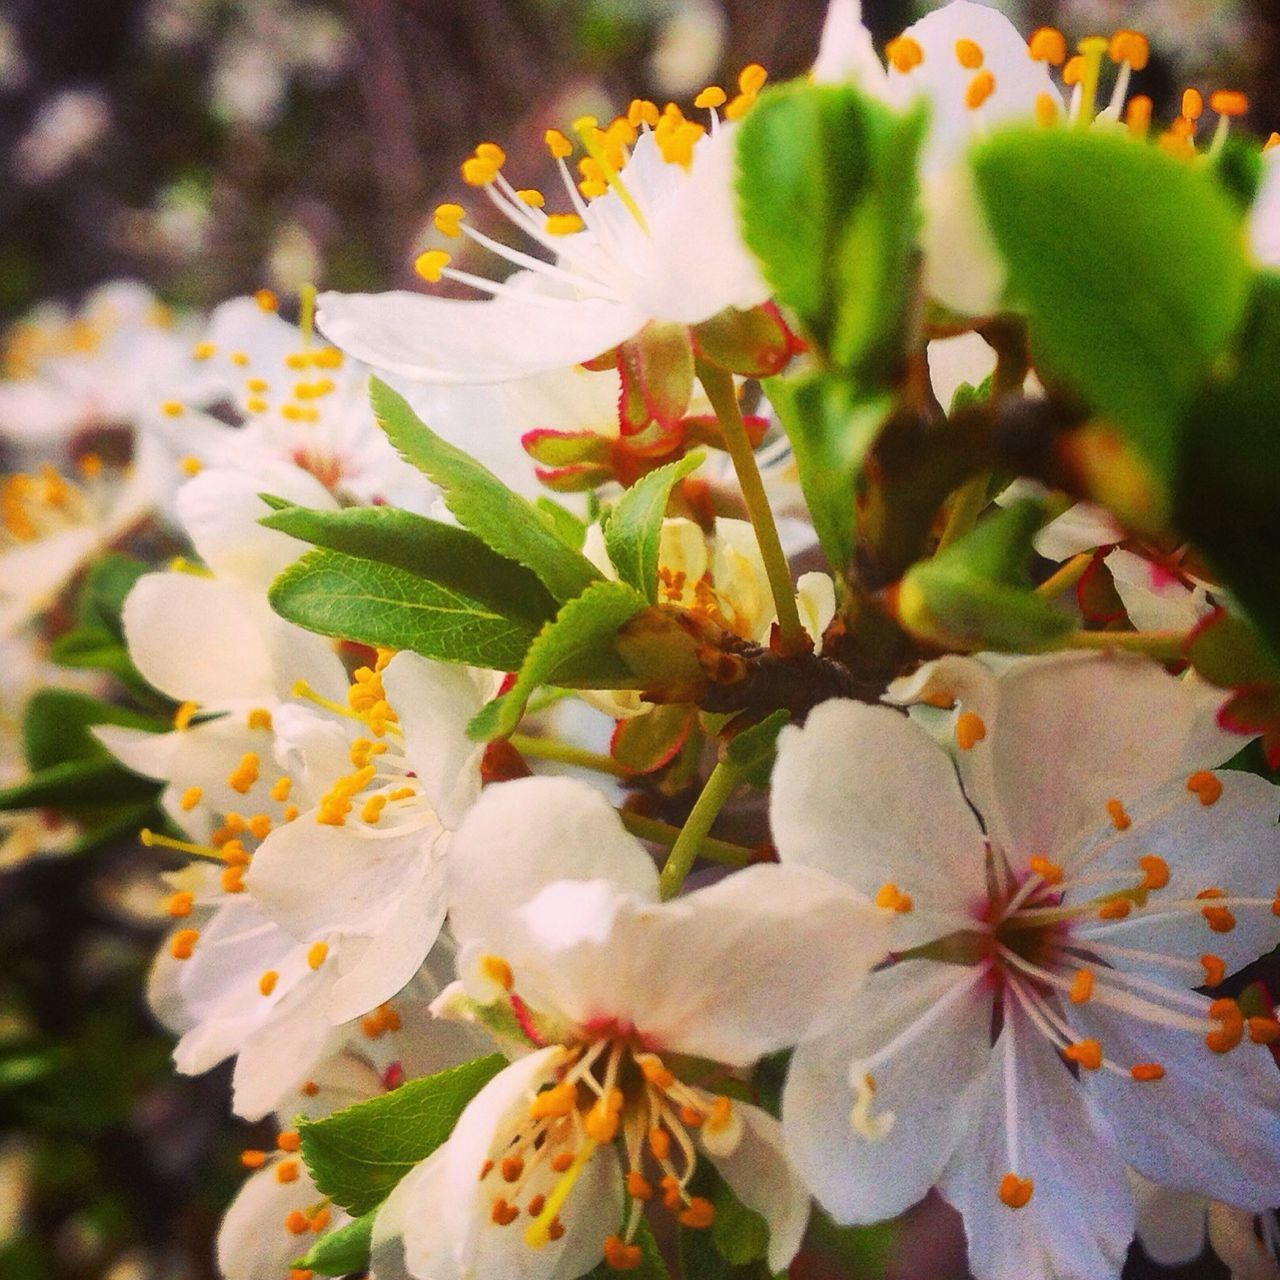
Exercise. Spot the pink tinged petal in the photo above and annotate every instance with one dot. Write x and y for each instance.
(845, 52)
(940, 1022)
(253, 1241)
(1072, 732)
(1171, 1224)
(220, 509)
(1232, 844)
(1154, 599)
(199, 639)
(758, 1174)
(1211, 1124)
(864, 794)
(434, 702)
(524, 835)
(1080, 1218)
(443, 340)
(1264, 220)
(1082, 527)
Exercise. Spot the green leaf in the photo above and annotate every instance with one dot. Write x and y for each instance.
(357, 1155)
(977, 593)
(831, 427)
(508, 523)
(77, 783)
(562, 522)
(753, 750)
(378, 604)
(827, 195)
(56, 727)
(95, 649)
(106, 583)
(1130, 264)
(634, 531)
(342, 1252)
(441, 553)
(575, 648)
(1228, 477)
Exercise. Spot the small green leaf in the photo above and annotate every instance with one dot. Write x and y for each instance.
(647, 743)
(77, 783)
(441, 553)
(378, 604)
(106, 583)
(357, 1155)
(562, 522)
(1135, 321)
(634, 531)
(56, 727)
(343, 1252)
(1228, 652)
(504, 520)
(830, 427)
(977, 593)
(734, 1251)
(95, 649)
(753, 750)
(575, 648)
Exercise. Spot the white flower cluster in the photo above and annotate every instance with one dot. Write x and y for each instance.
(998, 898)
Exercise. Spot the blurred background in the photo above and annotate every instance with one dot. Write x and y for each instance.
(212, 147)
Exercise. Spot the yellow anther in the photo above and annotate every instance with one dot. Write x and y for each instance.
(1146, 1072)
(1220, 920)
(1272, 142)
(287, 1171)
(183, 943)
(1155, 871)
(1015, 1192)
(266, 300)
(562, 224)
(1137, 115)
(90, 466)
(280, 789)
(402, 793)
(890, 898)
(642, 111)
(204, 351)
(327, 358)
(1119, 818)
(245, 774)
(558, 144)
(190, 798)
(496, 969)
(448, 219)
(968, 54)
(1046, 110)
(532, 197)
(182, 716)
(981, 87)
(1131, 47)
(1229, 102)
(1192, 104)
(291, 811)
(173, 408)
(654, 1070)
(659, 1141)
(372, 809)
(240, 358)
(1206, 786)
(751, 78)
(1215, 970)
(1115, 909)
(180, 903)
(1086, 1053)
(720, 1114)
(191, 465)
(969, 730)
(477, 172)
(1081, 986)
(316, 954)
(231, 879)
(557, 1101)
(267, 983)
(1048, 44)
(601, 1121)
(431, 264)
(234, 853)
(1230, 1029)
(259, 826)
(297, 360)
(256, 404)
(904, 53)
(252, 1159)
(1073, 71)
(259, 718)
(493, 153)
(1263, 1030)
(295, 1222)
(1049, 872)
(711, 97)
(235, 822)
(638, 1186)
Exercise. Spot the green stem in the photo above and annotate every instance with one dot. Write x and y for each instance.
(724, 400)
(722, 851)
(966, 507)
(1066, 577)
(1164, 645)
(684, 853)
(566, 753)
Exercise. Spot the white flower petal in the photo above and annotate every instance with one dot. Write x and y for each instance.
(846, 52)
(1264, 220)
(923, 1085)
(1082, 527)
(1171, 1224)
(953, 361)
(1153, 598)
(864, 794)
(444, 340)
(408, 1233)
(521, 836)
(1234, 1239)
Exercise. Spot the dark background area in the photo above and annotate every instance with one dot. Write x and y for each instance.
(225, 146)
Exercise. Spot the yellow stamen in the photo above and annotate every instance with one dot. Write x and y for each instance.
(532, 197)
(1092, 49)
(447, 219)
(266, 300)
(190, 798)
(180, 904)
(1049, 872)
(183, 943)
(711, 97)
(1048, 44)
(538, 1233)
(182, 716)
(267, 983)
(1015, 1192)
(559, 145)
(586, 130)
(969, 730)
(981, 87)
(431, 264)
(562, 224)
(1192, 104)
(316, 954)
(1155, 871)
(1146, 1072)
(969, 54)
(173, 408)
(1082, 986)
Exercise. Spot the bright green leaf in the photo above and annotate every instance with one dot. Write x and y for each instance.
(106, 583)
(575, 648)
(562, 522)
(357, 1155)
(343, 1252)
(753, 750)
(1135, 318)
(441, 553)
(504, 520)
(634, 531)
(378, 604)
(56, 724)
(77, 783)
